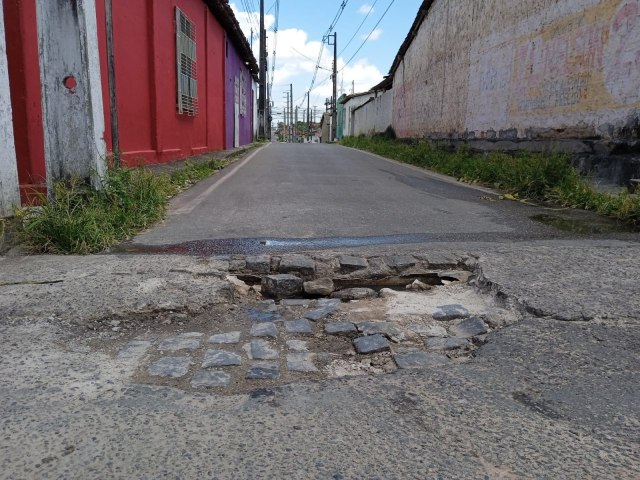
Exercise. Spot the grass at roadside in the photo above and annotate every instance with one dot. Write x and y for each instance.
(83, 220)
(546, 177)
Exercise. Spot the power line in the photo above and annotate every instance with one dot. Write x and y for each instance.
(367, 38)
(359, 27)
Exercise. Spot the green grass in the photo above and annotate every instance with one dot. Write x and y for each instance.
(79, 219)
(547, 177)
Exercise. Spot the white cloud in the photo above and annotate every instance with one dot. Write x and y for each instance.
(365, 9)
(375, 35)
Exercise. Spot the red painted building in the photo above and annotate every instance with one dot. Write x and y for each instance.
(167, 82)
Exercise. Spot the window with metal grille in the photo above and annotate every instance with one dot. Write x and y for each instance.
(186, 65)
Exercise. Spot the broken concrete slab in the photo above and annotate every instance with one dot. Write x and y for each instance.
(282, 286)
(266, 329)
(371, 344)
(354, 294)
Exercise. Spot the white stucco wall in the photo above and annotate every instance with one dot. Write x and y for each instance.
(349, 108)
(9, 192)
(538, 68)
(374, 116)
(73, 117)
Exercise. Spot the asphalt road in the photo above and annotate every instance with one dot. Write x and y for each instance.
(311, 191)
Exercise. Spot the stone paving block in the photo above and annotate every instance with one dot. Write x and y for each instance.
(266, 306)
(321, 286)
(297, 345)
(178, 343)
(469, 328)
(319, 313)
(264, 330)
(227, 338)
(282, 286)
(437, 343)
(209, 379)
(354, 294)
(351, 263)
(263, 371)
(450, 312)
(297, 264)
(297, 302)
(301, 325)
(328, 302)
(340, 328)
(191, 335)
(258, 263)
(419, 359)
(174, 367)
(429, 330)
(371, 344)
(261, 350)
(134, 349)
(387, 329)
(401, 262)
(256, 315)
(220, 358)
(300, 362)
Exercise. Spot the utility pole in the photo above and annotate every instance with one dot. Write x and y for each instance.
(308, 117)
(285, 134)
(263, 77)
(291, 112)
(334, 103)
(297, 133)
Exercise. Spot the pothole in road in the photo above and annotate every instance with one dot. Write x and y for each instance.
(322, 321)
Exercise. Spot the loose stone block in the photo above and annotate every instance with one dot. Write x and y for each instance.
(350, 263)
(174, 367)
(300, 362)
(437, 343)
(371, 344)
(282, 286)
(450, 312)
(264, 330)
(340, 328)
(319, 313)
(210, 379)
(419, 359)
(134, 349)
(385, 328)
(300, 264)
(297, 345)
(220, 358)
(469, 328)
(227, 338)
(401, 262)
(258, 263)
(178, 343)
(301, 325)
(321, 287)
(429, 330)
(297, 302)
(261, 350)
(354, 294)
(263, 371)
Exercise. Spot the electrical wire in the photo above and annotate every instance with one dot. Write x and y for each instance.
(359, 27)
(367, 37)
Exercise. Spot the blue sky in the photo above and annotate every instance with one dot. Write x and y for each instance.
(301, 26)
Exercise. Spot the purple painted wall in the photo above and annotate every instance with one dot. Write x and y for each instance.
(235, 68)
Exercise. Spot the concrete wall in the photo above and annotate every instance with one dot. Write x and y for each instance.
(350, 106)
(239, 100)
(71, 90)
(9, 193)
(536, 69)
(374, 116)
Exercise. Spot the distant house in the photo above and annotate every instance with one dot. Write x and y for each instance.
(325, 127)
(349, 105)
(146, 81)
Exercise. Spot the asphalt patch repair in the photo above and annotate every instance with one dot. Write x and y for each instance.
(299, 318)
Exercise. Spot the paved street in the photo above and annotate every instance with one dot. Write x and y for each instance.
(332, 192)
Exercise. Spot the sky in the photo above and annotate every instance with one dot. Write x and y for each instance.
(369, 35)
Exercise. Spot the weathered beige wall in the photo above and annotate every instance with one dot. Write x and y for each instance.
(350, 110)
(374, 116)
(546, 68)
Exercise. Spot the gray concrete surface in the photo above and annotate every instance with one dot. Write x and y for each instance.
(544, 398)
(338, 192)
